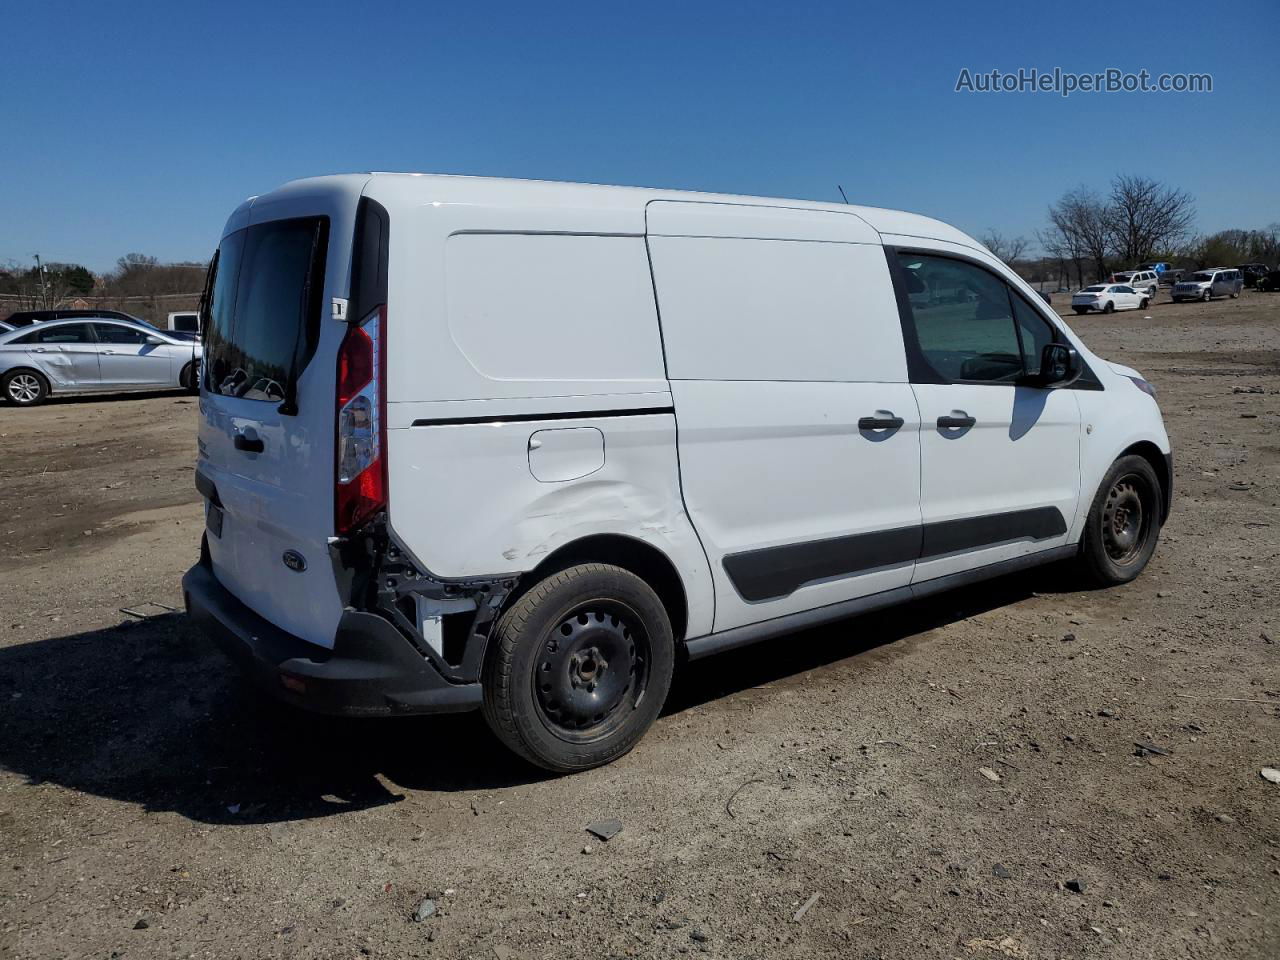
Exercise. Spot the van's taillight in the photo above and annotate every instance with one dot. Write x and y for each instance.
(360, 476)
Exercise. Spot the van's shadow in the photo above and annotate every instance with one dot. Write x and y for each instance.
(151, 713)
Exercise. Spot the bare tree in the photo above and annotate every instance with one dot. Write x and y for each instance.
(1062, 244)
(1081, 217)
(1003, 248)
(1145, 218)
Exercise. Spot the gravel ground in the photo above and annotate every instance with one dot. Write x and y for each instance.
(956, 779)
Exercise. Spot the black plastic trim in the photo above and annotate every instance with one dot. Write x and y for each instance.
(531, 417)
(771, 573)
(206, 488)
(369, 255)
(371, 671)
(714, 643)
(974, 533)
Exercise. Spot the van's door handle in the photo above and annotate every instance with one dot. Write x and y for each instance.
(249, 444)
(961, 422)
(889, 422)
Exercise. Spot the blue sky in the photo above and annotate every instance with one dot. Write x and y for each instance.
(140, 126)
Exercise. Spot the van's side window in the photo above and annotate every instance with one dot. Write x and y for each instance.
(963, 319)
(1034, 331)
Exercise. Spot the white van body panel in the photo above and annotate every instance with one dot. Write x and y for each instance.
(466, 503)
(776, 346)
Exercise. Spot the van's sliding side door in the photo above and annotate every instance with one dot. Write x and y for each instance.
(798, 433)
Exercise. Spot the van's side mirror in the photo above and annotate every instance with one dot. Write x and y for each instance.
(1060, 366)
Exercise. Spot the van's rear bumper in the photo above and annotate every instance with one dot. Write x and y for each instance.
(371, 671)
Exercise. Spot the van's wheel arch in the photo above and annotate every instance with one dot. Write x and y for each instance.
(1123, 525)
(578, 667)
(24, 387)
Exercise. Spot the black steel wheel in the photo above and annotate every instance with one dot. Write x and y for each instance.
(592, 671)
(579, 667)
(1109, 308)
(1123, 525)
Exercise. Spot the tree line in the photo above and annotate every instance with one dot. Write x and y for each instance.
(139, 284)
(1089, 235)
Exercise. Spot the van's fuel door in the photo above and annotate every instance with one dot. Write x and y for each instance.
(565, 454)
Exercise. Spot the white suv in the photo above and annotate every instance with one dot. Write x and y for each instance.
(1144, 281)
(524, 447)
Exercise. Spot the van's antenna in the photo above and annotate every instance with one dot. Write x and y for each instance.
(841, 189)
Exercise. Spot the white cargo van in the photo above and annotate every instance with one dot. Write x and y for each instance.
(526, 446)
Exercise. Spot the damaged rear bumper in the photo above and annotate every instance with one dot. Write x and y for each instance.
(372, 670)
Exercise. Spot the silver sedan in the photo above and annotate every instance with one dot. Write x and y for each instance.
(90, 355)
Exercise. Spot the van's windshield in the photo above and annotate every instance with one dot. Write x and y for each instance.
(261, 315)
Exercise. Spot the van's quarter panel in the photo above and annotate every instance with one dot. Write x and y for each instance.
(776, 349)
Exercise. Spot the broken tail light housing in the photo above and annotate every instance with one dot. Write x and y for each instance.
(360, 469)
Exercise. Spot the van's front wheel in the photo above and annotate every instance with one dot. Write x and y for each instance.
(1123, 525)
(579, 667)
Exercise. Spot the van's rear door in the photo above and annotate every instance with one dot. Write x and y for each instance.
(266, 441)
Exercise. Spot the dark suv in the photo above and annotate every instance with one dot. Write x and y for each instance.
(1253, 272)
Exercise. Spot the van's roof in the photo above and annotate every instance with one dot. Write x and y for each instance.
(420, 188)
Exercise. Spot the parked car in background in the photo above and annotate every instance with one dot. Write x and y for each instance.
(24, 317)
(184, 321)
(1108, 297)
(1171, 276)
(1207, 284)
(1143, 280)
(1251, 273)
(92, 355)
(1271, 282)
(525, 532)
(1159, 266)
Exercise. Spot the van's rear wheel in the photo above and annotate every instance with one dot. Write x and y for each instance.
(578, 668)
(1123, 525)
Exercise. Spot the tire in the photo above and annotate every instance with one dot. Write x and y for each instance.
(568, 637)
(1142, 304)
(1235, 296)
(1109, 308)
(1207, 296)
(186, 379)
(24, 388)
(1080, 310)
(1118, 539)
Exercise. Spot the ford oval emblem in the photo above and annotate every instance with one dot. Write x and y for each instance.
(294, 561)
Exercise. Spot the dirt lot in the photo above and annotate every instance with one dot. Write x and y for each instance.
(152, 806)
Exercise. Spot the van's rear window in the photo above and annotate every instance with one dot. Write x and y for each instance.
(262, 308)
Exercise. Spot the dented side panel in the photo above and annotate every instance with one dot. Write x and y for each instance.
(465, 504)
